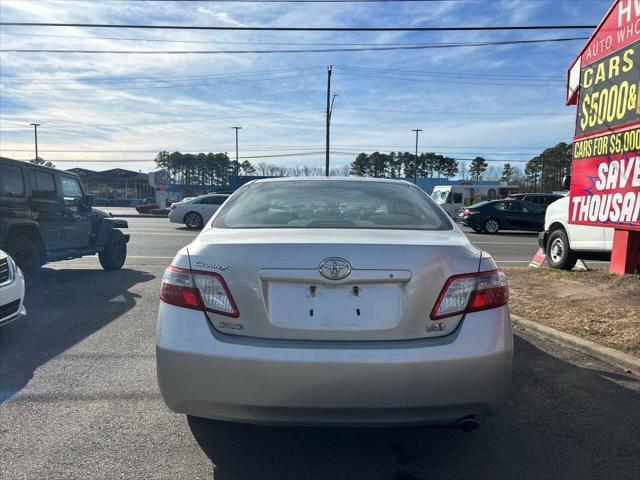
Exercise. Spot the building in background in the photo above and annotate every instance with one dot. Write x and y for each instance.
(118, 187)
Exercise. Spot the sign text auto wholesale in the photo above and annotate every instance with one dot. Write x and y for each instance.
(605, 179)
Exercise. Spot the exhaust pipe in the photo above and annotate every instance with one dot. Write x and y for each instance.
(467, 424)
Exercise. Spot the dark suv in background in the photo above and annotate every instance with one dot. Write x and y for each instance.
(541, 199)
(46, 216)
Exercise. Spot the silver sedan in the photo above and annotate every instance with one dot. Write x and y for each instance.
(333, 302)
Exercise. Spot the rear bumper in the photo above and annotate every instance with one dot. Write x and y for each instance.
(470, 221)
(329, 383)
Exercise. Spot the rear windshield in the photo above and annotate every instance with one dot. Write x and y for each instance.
(332, 204)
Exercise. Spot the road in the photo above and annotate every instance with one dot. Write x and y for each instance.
(77, 377)
(155, 241)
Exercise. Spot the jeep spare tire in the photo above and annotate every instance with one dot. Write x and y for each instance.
(25, 253)
(115, 252)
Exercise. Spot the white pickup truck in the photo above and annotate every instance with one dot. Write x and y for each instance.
(565, 243)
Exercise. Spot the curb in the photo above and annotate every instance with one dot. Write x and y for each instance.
(610, 355)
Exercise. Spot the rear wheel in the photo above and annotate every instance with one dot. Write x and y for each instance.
(193, 220)
(491, 226)
(25, 253)
(115, 252)
(559, 254)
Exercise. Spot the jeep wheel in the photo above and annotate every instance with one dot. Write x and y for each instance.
(559, 254)
(26, 255)
(491, 226)
(193, 220)
(115, 252)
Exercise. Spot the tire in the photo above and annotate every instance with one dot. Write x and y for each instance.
(491, 225)
(559, 253)
(115, 252)
(193, 220)
(26, 255)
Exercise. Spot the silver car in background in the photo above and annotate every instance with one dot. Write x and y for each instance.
(333, 302)
(196, 211)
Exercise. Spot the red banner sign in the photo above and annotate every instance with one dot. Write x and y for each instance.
(605, 190)
(605, 83)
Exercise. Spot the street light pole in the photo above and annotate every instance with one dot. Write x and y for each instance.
(415, 163)
(237, 163)
(328, 124)
(35, 134)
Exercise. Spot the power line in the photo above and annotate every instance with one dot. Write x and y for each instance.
(171, 78)
(54, 123)
(302, 29)
(534, 149)
(427, 112)
(317, 50)
(140, 39)
(165, 78)
(145, 87)
(448, 81)
(448, 74)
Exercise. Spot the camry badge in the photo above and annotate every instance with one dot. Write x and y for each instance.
(334, 268)
(213, 266)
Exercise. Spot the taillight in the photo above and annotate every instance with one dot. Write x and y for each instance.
(469, 212)
(173, 206)
(197, 290)
(470, 293)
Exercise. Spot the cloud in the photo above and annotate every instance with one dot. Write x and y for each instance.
(126, 102)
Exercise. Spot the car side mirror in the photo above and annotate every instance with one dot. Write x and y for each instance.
(89, 200)
(566, 182)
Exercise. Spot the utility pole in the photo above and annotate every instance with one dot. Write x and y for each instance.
(328, 125)
(35, 133)
(237, 163)
(415, 163)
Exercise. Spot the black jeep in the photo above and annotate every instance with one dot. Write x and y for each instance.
(46, 216)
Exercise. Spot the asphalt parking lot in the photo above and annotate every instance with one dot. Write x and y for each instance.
(80, 400)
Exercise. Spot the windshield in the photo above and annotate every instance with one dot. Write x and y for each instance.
(440, 196)
(332, 204)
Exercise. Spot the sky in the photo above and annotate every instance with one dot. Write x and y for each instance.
(109, 110)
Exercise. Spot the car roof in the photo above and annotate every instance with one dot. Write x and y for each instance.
(25, 163)
(331, 179)
(534, 195)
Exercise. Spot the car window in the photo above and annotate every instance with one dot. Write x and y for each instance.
(209, 201)
(11, 181)
(529, 207)
(43, 186)
(332, 204)
(508, 206)
(457, 197)
(71, 189)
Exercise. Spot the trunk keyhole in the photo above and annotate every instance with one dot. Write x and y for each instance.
(358, 311)
(311, 312)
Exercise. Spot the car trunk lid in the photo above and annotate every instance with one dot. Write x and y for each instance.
(283, 289)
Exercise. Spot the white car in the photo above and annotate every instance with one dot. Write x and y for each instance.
(11, 290)
(334, 301)
(565, 243)
(195, 212)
